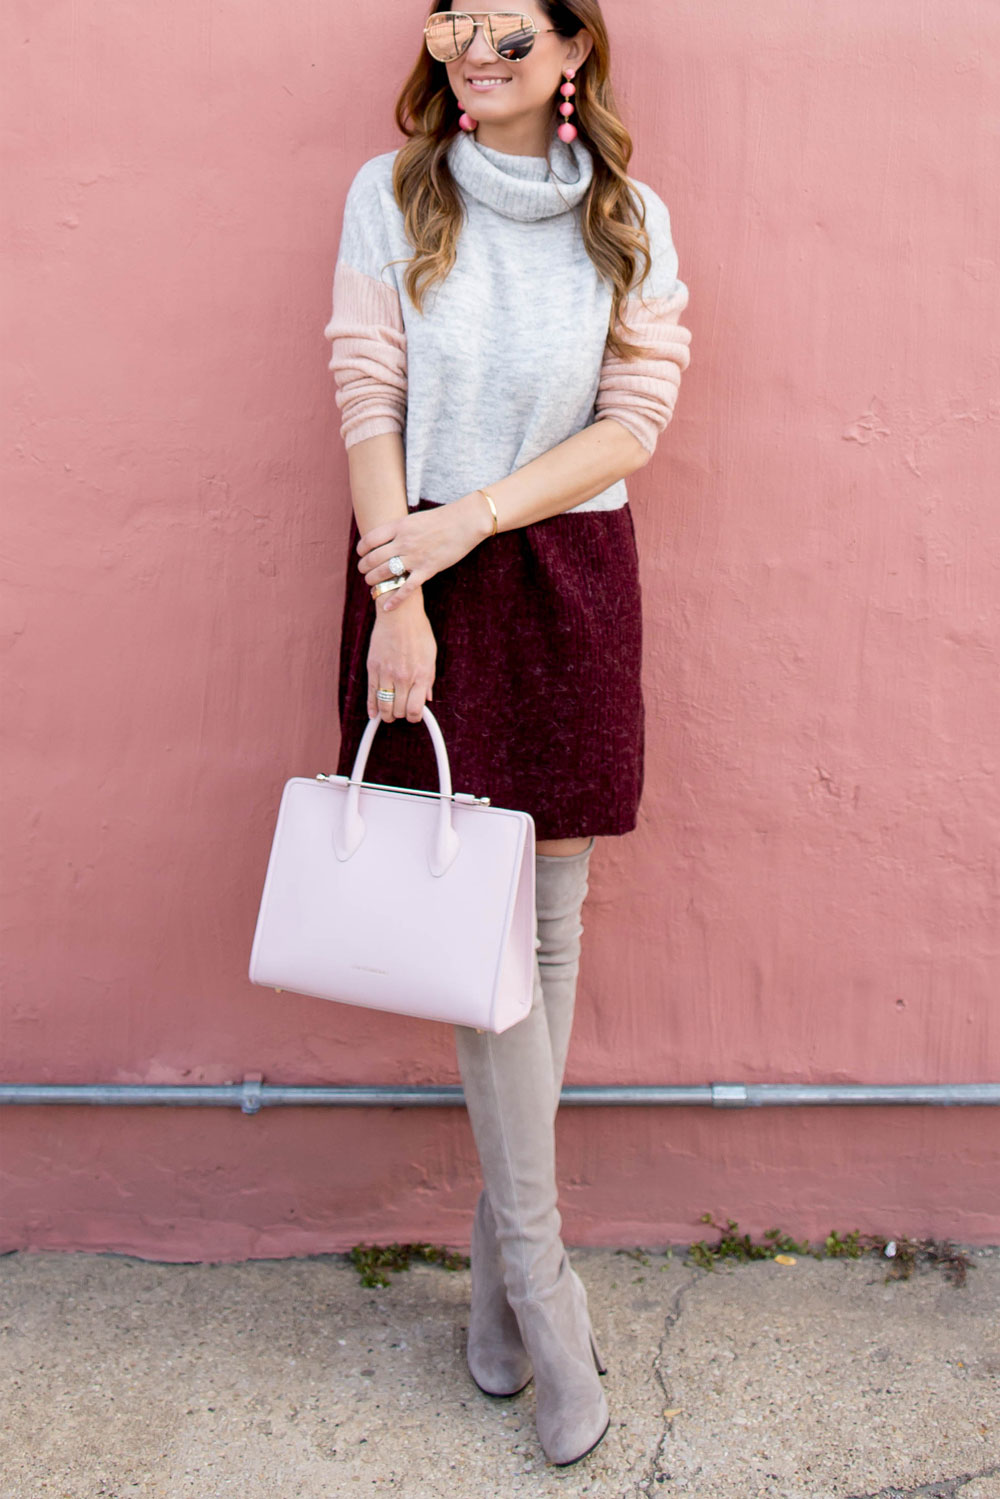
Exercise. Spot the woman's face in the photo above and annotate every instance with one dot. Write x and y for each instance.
(499, 93)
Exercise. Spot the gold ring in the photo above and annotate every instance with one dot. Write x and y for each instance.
(387, 586)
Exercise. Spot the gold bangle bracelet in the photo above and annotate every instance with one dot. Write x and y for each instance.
(388, 585)
(493, 511)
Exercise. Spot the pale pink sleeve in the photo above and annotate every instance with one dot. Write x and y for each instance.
(640, 393)
(369, 355)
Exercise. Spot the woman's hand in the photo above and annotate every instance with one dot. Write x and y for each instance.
(427, 541)
(401, 658)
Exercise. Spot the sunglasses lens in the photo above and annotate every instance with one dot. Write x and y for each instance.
(511, 36)
(448, 34)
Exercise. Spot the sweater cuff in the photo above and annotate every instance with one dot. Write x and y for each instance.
(641, 393)
(368, 356)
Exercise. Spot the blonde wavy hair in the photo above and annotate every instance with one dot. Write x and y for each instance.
(613, 215)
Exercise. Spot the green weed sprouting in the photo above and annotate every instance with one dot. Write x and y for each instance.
(373, 1260)
(903, 1255)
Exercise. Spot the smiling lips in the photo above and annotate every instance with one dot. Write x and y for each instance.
(484, 83)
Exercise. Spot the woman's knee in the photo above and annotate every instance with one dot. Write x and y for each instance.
(562, 848)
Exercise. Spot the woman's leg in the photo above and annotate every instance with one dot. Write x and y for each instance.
(497, 1358)
(561, 871)
(511, 1085)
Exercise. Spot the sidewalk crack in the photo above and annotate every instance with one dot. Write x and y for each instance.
(943, 1488)
(672, 1317)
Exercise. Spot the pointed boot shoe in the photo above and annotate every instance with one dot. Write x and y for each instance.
(571, 1413)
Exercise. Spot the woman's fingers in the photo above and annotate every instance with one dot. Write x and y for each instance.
(378, 536)
(375, 564)
(407, 700)
(385, 705)
(376, 553)
(416, 541)
(397, 596)
(416, 698)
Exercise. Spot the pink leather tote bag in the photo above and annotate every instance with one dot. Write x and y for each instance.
(417, 902)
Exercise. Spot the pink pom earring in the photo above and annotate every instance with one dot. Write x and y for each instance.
(465, 121)
(567, 131)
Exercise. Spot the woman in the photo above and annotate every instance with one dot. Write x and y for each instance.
(506, 352)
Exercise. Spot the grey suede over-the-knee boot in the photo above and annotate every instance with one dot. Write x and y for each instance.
(560, 891)
(497, 1358)
(511, 1100)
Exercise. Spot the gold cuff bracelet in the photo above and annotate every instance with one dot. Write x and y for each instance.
(493, 510)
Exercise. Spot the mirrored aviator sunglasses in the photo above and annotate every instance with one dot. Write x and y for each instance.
(510, 34)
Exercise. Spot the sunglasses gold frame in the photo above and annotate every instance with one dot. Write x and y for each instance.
(478, 19)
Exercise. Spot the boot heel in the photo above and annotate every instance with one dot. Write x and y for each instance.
(599, 1363)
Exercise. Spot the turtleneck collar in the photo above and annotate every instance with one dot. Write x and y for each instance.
(522, 187)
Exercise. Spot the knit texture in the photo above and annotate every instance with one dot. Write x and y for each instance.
(509, 356)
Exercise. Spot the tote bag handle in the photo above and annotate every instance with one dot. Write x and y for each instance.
(444, 846)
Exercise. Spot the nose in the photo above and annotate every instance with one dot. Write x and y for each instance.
(479, 52)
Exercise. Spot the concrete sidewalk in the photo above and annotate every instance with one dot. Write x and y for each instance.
(273, 1379)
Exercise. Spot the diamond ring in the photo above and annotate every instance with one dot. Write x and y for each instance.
(396, 567)
(385, 696)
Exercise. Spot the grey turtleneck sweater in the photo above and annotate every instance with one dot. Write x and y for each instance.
(508, 357)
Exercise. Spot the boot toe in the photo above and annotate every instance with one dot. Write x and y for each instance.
(500, 1376)
(569, 1440)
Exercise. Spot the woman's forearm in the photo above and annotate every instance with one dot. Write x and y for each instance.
(377, 467)
(573, 471)
(378, 480)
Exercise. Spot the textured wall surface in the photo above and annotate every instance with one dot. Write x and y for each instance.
(812, 894)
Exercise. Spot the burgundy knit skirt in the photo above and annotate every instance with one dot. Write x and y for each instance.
(538, 681)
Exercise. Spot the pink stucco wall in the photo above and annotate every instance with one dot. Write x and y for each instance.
(813, 892)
